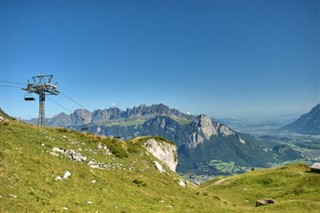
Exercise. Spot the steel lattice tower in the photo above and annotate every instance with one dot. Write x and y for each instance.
(42, 86)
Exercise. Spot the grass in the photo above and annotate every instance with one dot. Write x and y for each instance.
(294, 188)
(127, 122)
(132, 184)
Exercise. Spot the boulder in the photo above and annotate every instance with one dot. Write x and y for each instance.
(264, 202)
(66, 175)
(182, 183)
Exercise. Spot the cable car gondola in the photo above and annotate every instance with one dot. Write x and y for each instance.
(85, 128)
(29, 97)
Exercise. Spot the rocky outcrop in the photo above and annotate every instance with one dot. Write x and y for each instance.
(163, 151)
(69, 153)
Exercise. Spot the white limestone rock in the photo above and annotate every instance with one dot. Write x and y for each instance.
(159, 167)
(66, 175)
(163, 151)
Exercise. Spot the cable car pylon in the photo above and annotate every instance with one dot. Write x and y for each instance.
(42, 86)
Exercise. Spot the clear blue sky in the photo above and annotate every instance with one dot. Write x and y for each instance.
(221, 58)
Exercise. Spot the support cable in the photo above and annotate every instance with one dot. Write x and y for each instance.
(9, 86)
(17, 83)
(73, 100)
(11, 82)
(59, 105)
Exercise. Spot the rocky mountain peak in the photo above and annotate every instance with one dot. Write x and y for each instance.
(203, 124)
(203, 128)
(81, 116)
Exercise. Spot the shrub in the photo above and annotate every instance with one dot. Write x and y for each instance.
(115, 147)
(134, 147)
(62, 130)
(139, 182)
(266, 181)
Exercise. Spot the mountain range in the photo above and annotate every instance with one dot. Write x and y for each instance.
(61, 170)
(205, 146)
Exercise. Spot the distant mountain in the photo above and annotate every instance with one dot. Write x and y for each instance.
(205, 146)
(308, 123)
(114, 114)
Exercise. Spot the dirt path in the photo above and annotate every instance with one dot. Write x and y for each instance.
(218, 182)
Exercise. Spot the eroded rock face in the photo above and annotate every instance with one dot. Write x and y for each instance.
(81, 116)
(165, 152)
(203, 128)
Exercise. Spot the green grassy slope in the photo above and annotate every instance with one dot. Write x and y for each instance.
(293, 187)
(129, 184)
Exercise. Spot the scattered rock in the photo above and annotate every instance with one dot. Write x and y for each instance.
(89, 202)
(182, 183)
(66, 175)
(69, 153)
(58, 178)
(54, 154)
(56, 149)
(104, 147)
(76, 156)
(13, 196)
(93, 181)
(264, 202)
(65, 208)
(158, 166)
(93, 164)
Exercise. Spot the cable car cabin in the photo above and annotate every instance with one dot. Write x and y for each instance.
(29, 97)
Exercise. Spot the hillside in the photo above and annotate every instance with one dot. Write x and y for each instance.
(106, 175)
(308, 123)
(293, 188)
(58, 170)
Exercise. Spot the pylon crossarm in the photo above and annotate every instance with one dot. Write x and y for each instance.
(42, 86)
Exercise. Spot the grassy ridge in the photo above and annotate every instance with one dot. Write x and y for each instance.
(294, 188)
(131, 184)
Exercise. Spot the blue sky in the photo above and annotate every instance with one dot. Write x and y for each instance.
(220, 58)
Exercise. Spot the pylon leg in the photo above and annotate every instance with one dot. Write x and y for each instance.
(41, 120)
